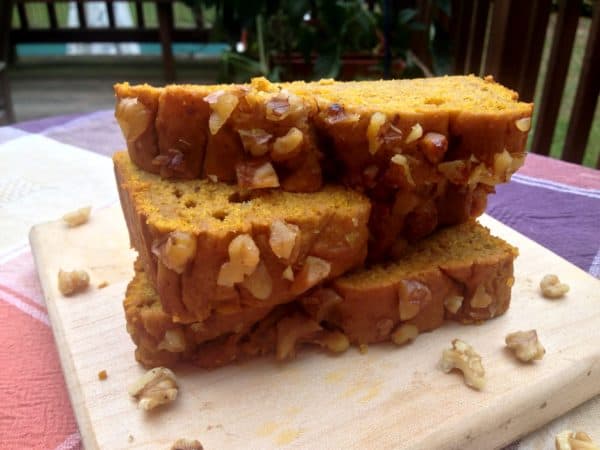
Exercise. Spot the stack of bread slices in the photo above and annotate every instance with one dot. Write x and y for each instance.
(268, 216)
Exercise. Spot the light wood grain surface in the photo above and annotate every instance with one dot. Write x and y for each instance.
(388, 398)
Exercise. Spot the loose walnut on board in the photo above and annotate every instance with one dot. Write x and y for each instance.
(574, 440)
(551, 287)
(70, 283)
(156, 387)
(187, 444)
(77, 217)
(525, 345)
(464, 358)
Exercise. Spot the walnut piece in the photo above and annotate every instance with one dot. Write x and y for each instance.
(176, 251)
(259, 282)
(334, 341)
(173, 341)
(288, 146)
(282, 105)
(70, 283)
(288, 274)
(187, 444)
(481, 299)
(292, 330)
(256, 175)
(373, 129)
(336, 113)
(244, 257)
(434, 146)
(525, 345)
(405, 333)
(255, 141)
(523, 124)
(156, 387)
(402, 161)
(416, 132)
(313, 271)
(78, 217)
(574, 440)
(456, 172)
(552, 287)
(412, 295)
(282, 238)
(102, 375)
(464, 358)
(453, 303)
(222, 105)
(133, 117)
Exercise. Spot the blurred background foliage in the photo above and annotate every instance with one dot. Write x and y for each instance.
(313, 39)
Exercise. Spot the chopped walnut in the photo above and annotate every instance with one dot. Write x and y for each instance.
(552, 287)
(375, 123)
(259, 282)
(78, 217)
(256, 175)
(313, 271)
(70, 283)
(523, 124)
(102, 285)
(212, 178)
(464, 358)
(574, 440)
(288, 146)
(255, 141)
(434, 146)
(412, 295)
(321, 303)
(292, 330)
(156, 387)
(503, 165)
(416, 132)
(405, 333)
(456, 172)
(336, 113)
(244, 257)
(222, 105)
(133, 117)
(334, 341)
(453, 303)
(171, 162)
(402, 161)
(481, 299)
(282, 105)
(187, 444)
(102, 375)
(175, 251)
(525, 345)
(173, 341)
(283, 238)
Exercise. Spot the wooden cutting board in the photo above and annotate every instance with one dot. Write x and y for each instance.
(388, 398)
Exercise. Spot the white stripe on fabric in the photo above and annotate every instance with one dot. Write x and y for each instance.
(559, 187)
(72, 442)
(27, 309)
(595, 267)
(14, 251)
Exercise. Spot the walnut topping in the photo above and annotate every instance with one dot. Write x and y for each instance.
(174, 341)
(212, 178)
(187, 444)
(453, 303)
(405, 333)
(78, 217)
(313, 271)
(259, 282)
(384, 327)
(456, 172)
(523, 124)
(578, 440)
(552, 287)
(392, 136)
(288, 274)
(133, 117)
(156, 387)
(503, 165)
(172, 161)
(464, 358)
(176, 251)
(416, 132)
(334, 341)
(525, 345)
(222, 105)
(402, 161)
(283, 238)
(337, 114)
(287, 146)
(375, 123)
(282, 105)
(412, 295)
(244, 257)
(321, 303)
(256, 175)
(481, 174)
(481, 299)
(291, 330)
(434, 146)
(70, 283)
(255, 141)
